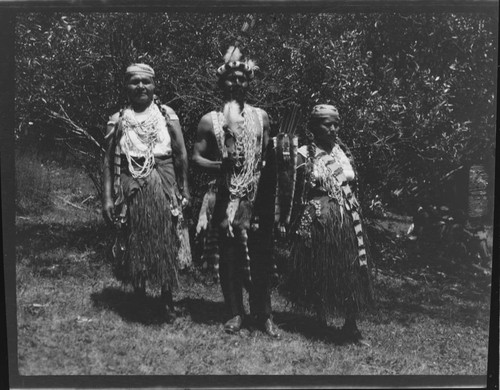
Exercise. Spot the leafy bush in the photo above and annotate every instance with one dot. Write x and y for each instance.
(416, 92)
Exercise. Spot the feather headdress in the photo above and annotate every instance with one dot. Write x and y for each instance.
(233, 61)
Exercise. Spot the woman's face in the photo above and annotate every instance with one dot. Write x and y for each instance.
(140, 90)
(326, 128)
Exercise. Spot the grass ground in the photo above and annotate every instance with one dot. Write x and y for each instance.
(74, 318)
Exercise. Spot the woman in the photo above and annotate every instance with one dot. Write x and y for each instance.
(328, 265)
(145, 161)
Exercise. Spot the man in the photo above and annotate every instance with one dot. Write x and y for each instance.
(231, 144)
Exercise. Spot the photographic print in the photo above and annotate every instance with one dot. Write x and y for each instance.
(255, 193)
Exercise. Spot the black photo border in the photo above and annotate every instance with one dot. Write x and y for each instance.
(9, 375)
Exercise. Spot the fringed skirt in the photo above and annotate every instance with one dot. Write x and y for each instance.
(152, 239)
(323, 270)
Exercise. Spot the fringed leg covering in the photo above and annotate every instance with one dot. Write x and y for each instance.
(211, 251)
(246, 267)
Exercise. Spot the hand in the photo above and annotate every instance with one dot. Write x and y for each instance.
(254, 225)
(186, 200)
(281, 228)
(108, 211)
(202, 224)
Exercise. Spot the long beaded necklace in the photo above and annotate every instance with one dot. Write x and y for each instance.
(244, 181)
(327, 170)
(147, 132)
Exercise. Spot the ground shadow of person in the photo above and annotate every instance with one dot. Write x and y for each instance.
(202, 311)
(309, 327)
(146, 310)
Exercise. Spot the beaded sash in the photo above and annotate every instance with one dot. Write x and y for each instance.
(330, 174)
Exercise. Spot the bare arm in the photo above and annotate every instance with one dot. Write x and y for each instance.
(266, 129)
(107, 174)
(347, 161)
(179, 152)
(204, 146)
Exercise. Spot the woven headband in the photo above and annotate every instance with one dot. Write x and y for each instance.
(324, 110)
(140, 69)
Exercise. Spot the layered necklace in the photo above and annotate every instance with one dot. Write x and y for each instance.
(244, 180)
(329, 173)
(148, 132)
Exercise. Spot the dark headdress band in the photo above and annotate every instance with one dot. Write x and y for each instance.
(233, 63)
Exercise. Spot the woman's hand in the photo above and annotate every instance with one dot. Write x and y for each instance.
(186, 199)
(108, 211)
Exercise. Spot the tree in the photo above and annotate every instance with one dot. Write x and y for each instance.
(409, 115)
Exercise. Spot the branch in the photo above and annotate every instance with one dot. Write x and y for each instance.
(68, 202)
(73, 127)
(182, 97)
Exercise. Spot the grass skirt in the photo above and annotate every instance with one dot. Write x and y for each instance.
(152, 242)
(323, 268)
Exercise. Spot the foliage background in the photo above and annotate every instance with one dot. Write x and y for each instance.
(416, 92)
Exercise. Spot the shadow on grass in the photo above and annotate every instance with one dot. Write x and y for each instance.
(309, 327)
(145, 310)
(409, 313)
(208, 312)
(450, 302)
(39, 237)
(203, 311)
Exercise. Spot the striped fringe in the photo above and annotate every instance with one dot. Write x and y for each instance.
(285, 153)
(352, 205)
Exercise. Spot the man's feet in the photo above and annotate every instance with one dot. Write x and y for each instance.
(271, 329)
(233, 325)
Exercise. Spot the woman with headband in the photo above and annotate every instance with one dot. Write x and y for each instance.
(145, 187)
(328, 267)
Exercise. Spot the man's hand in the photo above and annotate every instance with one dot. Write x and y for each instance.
(108, 211)
(281, 229)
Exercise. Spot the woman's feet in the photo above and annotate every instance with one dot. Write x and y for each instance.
(350, 332)
(168, 303)
(140, 289)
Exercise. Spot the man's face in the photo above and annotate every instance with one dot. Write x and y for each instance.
(140, 89)
(235, 84)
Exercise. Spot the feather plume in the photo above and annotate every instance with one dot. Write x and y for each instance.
(232, 54)
(252, 65)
